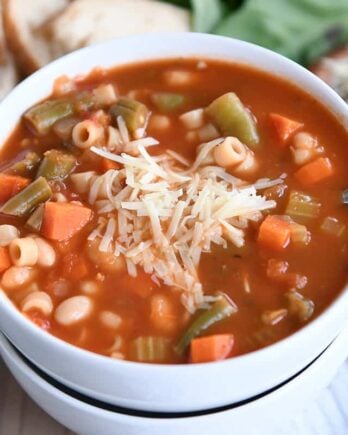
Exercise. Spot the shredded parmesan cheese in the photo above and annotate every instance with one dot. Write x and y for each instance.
(162, 212)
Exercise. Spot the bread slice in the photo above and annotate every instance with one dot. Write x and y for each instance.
(23, 23)
(8, 73)
(85, 22)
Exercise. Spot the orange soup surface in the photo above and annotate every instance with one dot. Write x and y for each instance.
(176, 211)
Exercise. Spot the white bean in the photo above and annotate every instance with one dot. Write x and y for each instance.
(73, 310)
(110, 320)
(40, 301)
(179, 77)
(193, 119)
(304, 140)
(301, 155)
(16, 277)
(159, 122)
(207, 132)
(89, 287)
(24, 252)
(7, 234)
(46, 253)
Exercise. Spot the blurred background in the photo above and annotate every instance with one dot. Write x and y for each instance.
(313, 33)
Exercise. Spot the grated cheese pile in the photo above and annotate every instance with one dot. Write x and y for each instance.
(162, 212)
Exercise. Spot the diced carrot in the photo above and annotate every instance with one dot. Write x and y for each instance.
(63, 220)
(5, 261)
(107, 164)
(211, 348)
(274, 233)
(284, 127)
(315, 171)
(74, 267)
(10, 185)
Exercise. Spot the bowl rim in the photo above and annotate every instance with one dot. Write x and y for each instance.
(341, 114)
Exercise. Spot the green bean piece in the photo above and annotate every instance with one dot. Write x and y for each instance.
(168, 101)
(220, 310)
(25, 201)
(25, 167)
(56, 165)
(151, 349)
(302, 207)
(35, 220)
(42, 116)
(134, 113)
(234, 119)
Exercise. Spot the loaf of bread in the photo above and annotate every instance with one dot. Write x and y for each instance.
(8, 73)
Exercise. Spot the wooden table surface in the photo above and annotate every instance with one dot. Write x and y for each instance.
(19, 415)
(328, 415)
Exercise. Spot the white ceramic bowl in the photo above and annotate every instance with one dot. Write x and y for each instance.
(272, 412)
(174, 387)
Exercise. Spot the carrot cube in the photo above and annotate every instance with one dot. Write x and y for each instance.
(62, 220)
(211, 348)
(274, 233)
(11, 185)
(284, 127)
(315, 171)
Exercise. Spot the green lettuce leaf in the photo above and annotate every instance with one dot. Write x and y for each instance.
(299, 29)
(207, 14)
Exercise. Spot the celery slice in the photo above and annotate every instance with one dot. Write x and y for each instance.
(333, 226)
(299, 234)
(302, 207)
(150, 349)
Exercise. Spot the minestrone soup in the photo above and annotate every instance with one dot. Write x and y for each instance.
(175, 211)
